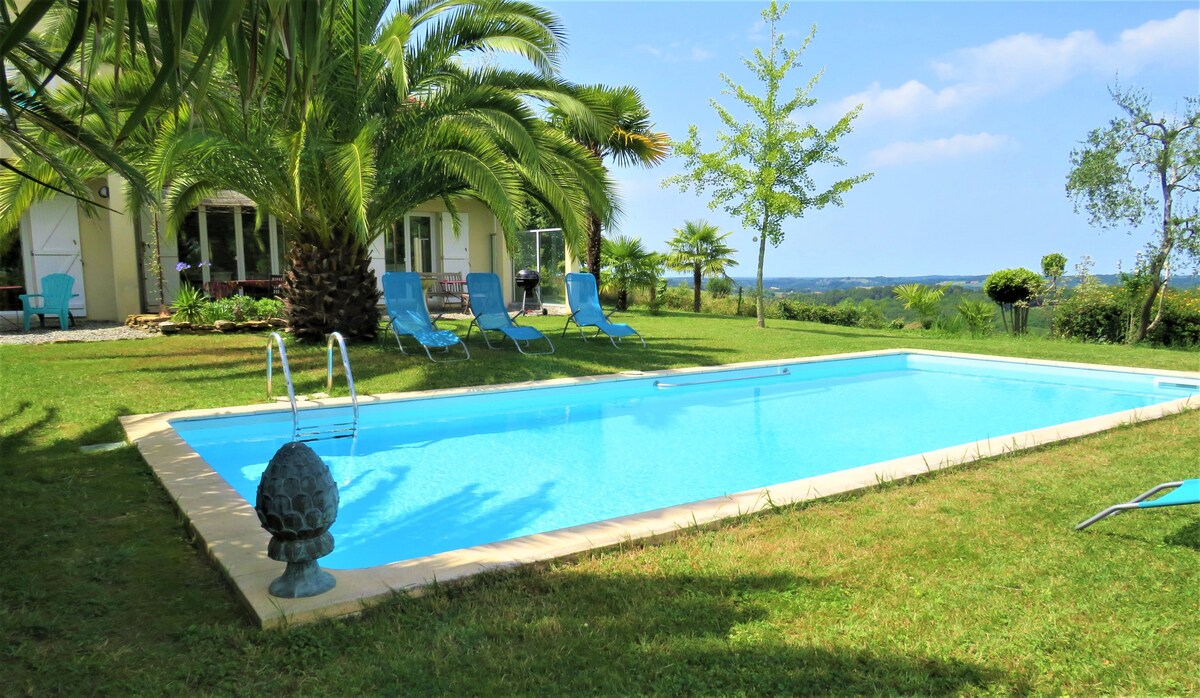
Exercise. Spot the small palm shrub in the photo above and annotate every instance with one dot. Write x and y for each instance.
(979, 317)
(923, 300)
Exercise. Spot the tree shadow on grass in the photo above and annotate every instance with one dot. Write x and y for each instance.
(1187, 537)
(633, 634)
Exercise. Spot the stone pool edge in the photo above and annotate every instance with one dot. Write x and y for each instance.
(228, 531)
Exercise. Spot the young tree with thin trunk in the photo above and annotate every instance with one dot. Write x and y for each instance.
(1054, 265)
(762, 172)
(1144, 164)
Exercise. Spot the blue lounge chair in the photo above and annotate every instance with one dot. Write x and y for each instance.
(487, 305)
(584, 301)
(409, 316)
(55, 299)
(1183, 492)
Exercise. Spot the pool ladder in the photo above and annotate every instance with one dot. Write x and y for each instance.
(324, 431)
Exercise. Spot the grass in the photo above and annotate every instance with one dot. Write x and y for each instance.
(969, 581)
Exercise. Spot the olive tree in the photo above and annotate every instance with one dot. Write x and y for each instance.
(1143, 164)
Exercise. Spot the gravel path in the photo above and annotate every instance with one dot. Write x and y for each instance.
(83, 332)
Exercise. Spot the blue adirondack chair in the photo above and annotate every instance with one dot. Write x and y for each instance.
(54, 299)
(409, 316)
(487, 305)
(584, 301)
(1182, 492)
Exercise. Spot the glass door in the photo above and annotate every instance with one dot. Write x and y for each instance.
(420, 242)
(545, 252)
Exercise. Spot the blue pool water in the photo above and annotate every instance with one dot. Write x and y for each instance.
(431, 475)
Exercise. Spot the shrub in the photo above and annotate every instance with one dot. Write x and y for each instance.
(1180, 324)
(845, 314)
(677, 298)
(1103, 314)
(267, 309)
(719, 286)
(1092, 313)
(189, 305)
(1013, 289)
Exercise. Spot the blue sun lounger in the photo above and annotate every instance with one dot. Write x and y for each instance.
(1182, 492)
(409, 316)
(584, 301)
(487, 305)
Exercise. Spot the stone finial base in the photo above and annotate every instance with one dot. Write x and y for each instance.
(301, 580)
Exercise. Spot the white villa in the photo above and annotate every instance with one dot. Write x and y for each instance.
(112, 254)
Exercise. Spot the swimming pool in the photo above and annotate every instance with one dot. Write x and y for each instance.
(500, 470)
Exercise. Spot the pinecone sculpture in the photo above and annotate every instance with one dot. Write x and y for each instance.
(297, 502)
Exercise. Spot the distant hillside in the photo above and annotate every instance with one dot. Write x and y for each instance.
(817, 284)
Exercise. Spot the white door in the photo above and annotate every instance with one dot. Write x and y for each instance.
(54, 237)
(456, 252)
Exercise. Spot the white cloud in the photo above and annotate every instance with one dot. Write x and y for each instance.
(1024, 64)
(908, 153)
(677, 52)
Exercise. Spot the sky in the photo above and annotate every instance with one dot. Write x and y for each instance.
(970, 113)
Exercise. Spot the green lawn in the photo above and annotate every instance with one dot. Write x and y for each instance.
(970, 581)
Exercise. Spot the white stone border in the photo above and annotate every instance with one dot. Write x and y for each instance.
(228, 529)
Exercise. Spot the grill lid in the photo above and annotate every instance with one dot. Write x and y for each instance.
(528, 279)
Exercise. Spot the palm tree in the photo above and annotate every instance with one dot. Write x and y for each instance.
(392, 123)
(627, 266)
(50, 46)
(361, 130)
(697, 247)
(924, 300)
(627, 136)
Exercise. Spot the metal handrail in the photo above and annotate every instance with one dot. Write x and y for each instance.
(275, 340)
(781, 372)
(287, 374)
(346, 366)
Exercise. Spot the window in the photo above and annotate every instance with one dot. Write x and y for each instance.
(256, 247)
(222, 244)
(412, 237)
(233, 251)
(420, 236)
(394, 249)
(189, 249)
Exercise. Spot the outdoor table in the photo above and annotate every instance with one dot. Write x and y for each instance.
(15, 291)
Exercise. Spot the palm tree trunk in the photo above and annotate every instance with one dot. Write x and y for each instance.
(331, 288)
(696, 279)
(593, 247)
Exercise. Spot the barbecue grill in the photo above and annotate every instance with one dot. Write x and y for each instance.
(528, 280)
